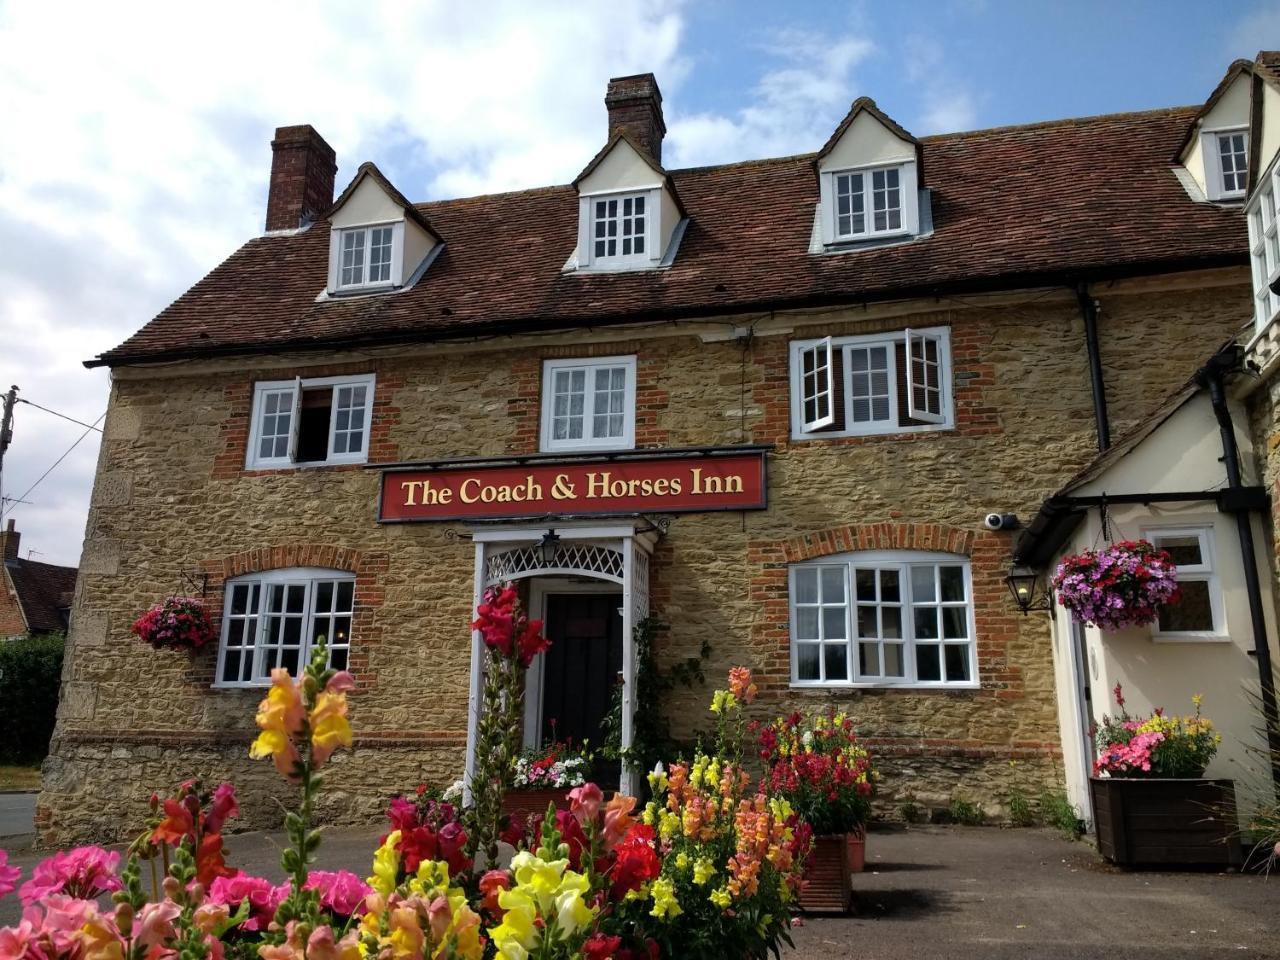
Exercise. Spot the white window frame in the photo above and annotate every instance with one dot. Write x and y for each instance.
(586, 230)
(337, 239)
(908, 185)
(822, 389)
(903, 561)
(1210, 150)
(943, 421)
(1264, 245)
(1204, 572)
(588, 441)
(261, 389)
(308, 576)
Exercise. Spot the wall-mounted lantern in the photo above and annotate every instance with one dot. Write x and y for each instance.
(1028, 592)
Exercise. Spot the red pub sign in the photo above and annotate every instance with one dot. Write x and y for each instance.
(662, 483)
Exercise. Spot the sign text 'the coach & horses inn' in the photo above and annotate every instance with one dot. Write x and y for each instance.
(664, 483)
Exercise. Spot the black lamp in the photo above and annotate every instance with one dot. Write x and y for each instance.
(550, 546)
(1024, 584)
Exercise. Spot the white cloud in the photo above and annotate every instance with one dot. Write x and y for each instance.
(136, 154)
(794, 107)
(946, 103)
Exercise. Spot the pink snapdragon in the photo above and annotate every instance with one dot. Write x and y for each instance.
(340, 891)
(263, 896)
(82, 873)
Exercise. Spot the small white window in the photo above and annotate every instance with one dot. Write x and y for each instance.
(365, 256)
(324, 420)
(1199, 611)
(879, 201)
(1226, 163)
(589, 404)
(881, 383)
(618, 228)
(277, 618)
(1264, 248)
(883, 618)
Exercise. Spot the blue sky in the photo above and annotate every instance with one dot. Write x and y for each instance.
(141, 161)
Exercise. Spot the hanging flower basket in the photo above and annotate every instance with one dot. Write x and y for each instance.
(1125, 584)
(179, 622)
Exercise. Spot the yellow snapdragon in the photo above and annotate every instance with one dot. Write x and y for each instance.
(665, 904)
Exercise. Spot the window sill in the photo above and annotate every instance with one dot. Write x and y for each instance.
(867, 685)
(587, 448)
(1179, 638)
(270, 467)
(895, 431)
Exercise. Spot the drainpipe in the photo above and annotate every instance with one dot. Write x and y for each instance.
(1089, 313)
(1211, 376)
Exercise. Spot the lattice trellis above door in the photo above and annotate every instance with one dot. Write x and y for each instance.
(585, 558)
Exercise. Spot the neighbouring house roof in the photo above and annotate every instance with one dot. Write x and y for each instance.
(1016, 206)
(44, 593)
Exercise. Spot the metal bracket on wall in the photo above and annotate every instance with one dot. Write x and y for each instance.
(193, 580)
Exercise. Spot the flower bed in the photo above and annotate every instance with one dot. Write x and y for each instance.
(710, 867)
(1125, 584)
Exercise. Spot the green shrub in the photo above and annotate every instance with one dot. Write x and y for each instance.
(30, 672)
(1058, 811)
(910, 810)
(1021, 812)
(966, 812)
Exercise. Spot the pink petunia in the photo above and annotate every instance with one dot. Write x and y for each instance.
(8, 875)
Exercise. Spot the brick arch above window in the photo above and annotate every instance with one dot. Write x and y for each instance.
(368, 567)
(934, 537)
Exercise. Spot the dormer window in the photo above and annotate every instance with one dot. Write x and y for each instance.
(629, 214)
(379, 242)
(367, 254)
(619, 228)
(1227, 163)
(868, 182)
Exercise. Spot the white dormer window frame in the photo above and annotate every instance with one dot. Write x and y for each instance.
(1225, 173)
(359, 260)
(607, 229)
(870, 202)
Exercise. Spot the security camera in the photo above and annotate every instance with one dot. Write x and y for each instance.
(1000, 521)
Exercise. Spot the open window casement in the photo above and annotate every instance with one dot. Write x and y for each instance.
(817, 391)
(294, 416)
(924, 377)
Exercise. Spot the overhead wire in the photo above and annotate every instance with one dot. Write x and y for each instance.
(80, 423)
(89, 429)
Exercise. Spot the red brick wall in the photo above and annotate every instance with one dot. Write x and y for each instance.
(11, 622)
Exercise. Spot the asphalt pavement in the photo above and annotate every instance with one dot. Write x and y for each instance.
(17, 812)
(964, 893)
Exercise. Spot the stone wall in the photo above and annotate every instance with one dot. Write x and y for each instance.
(172, 498)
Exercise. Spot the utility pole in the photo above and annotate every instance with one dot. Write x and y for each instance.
(6, 435)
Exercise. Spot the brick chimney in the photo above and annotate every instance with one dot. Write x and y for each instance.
(302, 169)
(9, 541)
(635, 105)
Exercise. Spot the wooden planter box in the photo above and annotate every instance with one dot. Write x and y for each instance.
(526, 803)
(832, 859)
(1166, 822)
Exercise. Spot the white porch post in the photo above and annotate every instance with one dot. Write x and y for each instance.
(628, 780)
(477, 677)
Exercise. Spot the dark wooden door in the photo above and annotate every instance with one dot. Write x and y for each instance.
(580, 671)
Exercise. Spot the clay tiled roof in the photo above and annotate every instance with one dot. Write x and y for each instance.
(44, 591)
(1017, 206)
